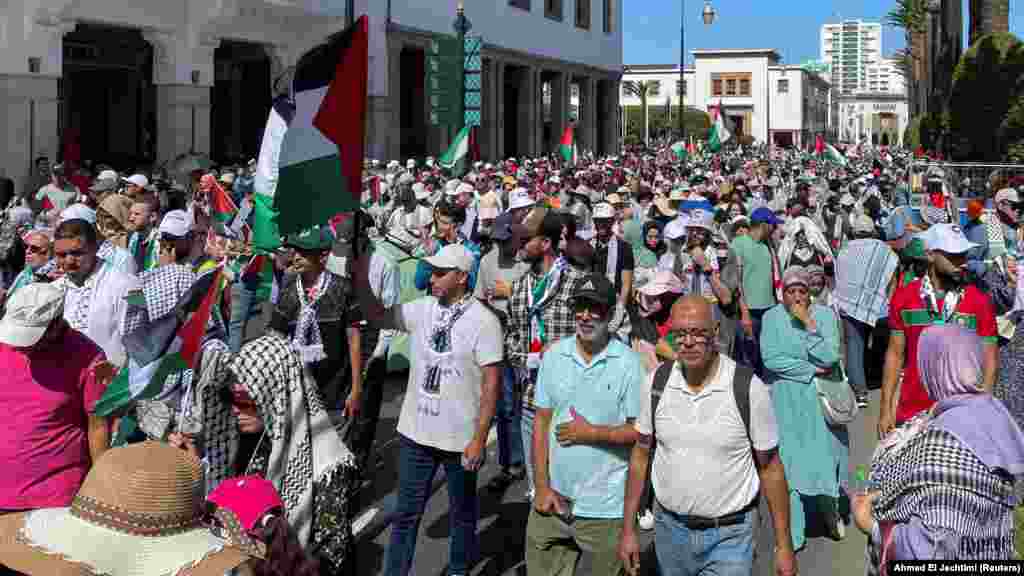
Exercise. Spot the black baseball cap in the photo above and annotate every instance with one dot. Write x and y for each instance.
(596, 288)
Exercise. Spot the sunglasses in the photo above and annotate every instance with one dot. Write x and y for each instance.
(238, 398)
(596, 309)
(35, 249)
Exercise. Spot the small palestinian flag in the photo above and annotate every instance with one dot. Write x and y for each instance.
(568, 145)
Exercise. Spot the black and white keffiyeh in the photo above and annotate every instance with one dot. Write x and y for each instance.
(307, 455)
(307, 340)
(207, 414)
(161, 288)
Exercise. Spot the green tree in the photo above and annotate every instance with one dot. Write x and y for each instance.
(642, 89)
(985, 111)
(912, 17)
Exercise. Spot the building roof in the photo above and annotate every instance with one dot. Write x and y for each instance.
(653, 69)
(737, 51)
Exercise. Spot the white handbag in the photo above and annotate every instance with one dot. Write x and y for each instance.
(838, 402)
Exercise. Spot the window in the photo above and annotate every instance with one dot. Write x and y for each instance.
(583, 14)
(731, 84)
(521, 4)
(553, 9)
(609, 16)
(783, 86)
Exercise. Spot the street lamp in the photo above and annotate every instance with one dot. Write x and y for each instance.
(709, 17)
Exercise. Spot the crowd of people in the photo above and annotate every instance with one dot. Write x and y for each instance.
(735, 307)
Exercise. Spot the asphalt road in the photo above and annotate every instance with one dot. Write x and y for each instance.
(502, 525)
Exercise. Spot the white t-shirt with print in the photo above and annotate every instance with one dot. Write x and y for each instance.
(446, 418)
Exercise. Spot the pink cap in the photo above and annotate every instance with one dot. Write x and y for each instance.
(249, 497)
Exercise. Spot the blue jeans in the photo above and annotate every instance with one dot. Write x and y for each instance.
(417, 465)
(510, 433)
(723, 551)
(526, 418)
(856, 334)
(748, 350)
(243, 307)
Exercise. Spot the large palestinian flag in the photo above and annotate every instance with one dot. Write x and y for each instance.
(320, 160)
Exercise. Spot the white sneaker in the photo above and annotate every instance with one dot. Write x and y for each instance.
(646, 520)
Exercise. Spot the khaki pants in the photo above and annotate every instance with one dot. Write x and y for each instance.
(553, 547)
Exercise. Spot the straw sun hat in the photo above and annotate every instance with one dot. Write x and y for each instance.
(139, 512)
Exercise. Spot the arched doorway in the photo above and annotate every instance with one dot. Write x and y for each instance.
(240, 101)
(107, 98)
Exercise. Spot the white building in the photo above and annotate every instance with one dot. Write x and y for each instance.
(786, 105)
(851, 48)
(886, 78)
(142, 81)
(875, 118)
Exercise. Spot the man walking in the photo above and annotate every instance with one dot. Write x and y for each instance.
(942, 296)
(717, 444)
(865, 277)
(589, 385)
(758, 273)
(446, 415)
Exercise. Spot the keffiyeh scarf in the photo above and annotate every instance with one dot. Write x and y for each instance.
(208, 415)
(803, 239)
(949, 303)
(308, 463)
(307, 334)
(441, 332)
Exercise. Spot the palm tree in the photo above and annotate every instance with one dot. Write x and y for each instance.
(912, 17)
(642, 89)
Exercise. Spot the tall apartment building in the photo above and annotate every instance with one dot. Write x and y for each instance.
(851, 47)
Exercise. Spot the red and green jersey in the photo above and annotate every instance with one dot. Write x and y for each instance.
(910, 315)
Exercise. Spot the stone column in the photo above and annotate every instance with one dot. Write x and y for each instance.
(559, 107)
(29, 105)
(589, 94)
(527, 112)
(538, 99)
(499, 110)
(391, 128)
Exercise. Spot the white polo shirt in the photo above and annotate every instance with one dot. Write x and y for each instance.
(703, 465)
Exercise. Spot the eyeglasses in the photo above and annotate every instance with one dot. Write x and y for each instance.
(36, 249)
(678, 337)
(595, 309)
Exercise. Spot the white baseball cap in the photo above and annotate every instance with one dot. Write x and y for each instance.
(78, 212)
(1007, 195)
(676, 229)
(519, 198)
(948, 238)
(29, 313)
(464, 188)
(107, 175)
(603, 211)
(138, 180)
(452, 256)
(176, 223)
(420, 191)
(451, 188)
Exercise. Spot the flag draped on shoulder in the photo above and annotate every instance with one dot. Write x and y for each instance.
(719, 133)
(145, 380)
(567, 146)
(320, 160)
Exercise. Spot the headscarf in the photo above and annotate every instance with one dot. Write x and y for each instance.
(308, 462)
(210, 410)
(636, 234)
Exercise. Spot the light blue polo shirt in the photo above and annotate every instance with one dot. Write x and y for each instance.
(606, 392)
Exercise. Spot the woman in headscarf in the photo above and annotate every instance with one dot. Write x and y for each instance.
(266, 393)
(942, 485)
(112, 222)
(647, 248)
(799, 343)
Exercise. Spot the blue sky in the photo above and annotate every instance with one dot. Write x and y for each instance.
(793, 27)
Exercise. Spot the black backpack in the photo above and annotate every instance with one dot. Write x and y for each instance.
(740, 390)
